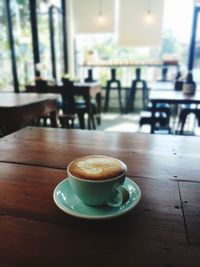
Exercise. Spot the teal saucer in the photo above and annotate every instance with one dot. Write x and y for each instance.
(68, 202)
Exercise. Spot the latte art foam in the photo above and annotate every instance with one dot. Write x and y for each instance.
(97, 167)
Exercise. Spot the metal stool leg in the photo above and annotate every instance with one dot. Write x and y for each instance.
(119, 96)
(107, 96)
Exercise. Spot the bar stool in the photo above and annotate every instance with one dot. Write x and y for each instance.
(109, 86)
(131, 100)
(89, 78)
(164, 74)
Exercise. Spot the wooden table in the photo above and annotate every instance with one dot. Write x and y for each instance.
(87, 90)
(163, 230)
(16, 110)
(171, 97)
(162, 86)
(165, 86)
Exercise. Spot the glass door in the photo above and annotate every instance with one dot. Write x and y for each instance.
(20, 14)
(6, 77)
(50, 29)
(196, 67)
(44, 43)
(194, 53)
(56, 37)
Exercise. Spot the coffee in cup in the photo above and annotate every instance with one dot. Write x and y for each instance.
(98, 180)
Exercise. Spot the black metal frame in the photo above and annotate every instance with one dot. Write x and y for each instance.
(193, 38)
(52, 44)
(12, 46)
(62, 12)
(35, 38)
(34, 31)
(65, 34)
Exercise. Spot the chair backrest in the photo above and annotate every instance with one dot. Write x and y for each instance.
(48, 89)
(89, 79)
(68, 96)
(41, 86)
(31, 89)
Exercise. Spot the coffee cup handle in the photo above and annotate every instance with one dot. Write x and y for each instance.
(120, 196)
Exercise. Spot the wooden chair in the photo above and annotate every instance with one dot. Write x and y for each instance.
(42, 86)
(188, 108)
(161, 119)
(75, 102)
(66, 120)
(185, 111)
(162, 116)
(70, 106)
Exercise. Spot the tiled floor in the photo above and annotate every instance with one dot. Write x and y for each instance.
(130, 123)
(116, 122)
(119, 123)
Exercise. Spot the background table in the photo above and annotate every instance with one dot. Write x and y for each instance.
(88, 91)
(163, 230)
(162, 86)
(18, 109)
(171, 97)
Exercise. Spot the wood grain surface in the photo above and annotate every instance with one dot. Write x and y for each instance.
(18, 110)
(163, 230)
(159, 156)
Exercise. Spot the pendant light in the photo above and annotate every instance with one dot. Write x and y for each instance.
(149, 16)
(101, 18)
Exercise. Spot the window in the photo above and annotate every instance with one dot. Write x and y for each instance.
(6, 81)
(23, 42)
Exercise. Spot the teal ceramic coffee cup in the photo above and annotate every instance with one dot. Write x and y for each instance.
(99, 192)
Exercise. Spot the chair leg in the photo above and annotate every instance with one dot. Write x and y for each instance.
(182, 120)
(44, 121)
(119, 98)
(197, 114)
(98, 119)
(38, 122)
(144, 94)
(2, 131)
(72, 124)
(98, 111)
(81, 120)
(91, 121)
(131, 101)
(107, 96)
(67, 121)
